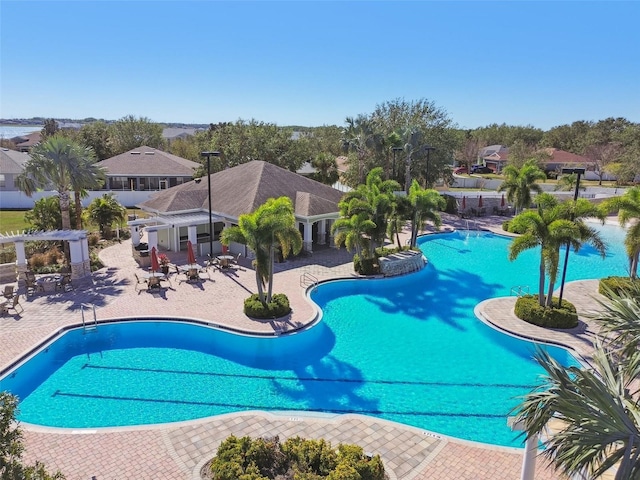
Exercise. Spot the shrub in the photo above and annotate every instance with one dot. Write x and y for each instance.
(93, 239)
(278, 307)
(619, 286)
(365, 266)
(53, 256)
(297, 458)
(37, 260)
(528, 309)
(505, 225)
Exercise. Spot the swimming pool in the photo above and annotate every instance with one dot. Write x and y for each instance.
(407, 349)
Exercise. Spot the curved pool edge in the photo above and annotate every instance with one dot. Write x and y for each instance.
(497, 313)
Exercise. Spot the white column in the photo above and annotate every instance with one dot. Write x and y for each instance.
(193, 235)
(152, 238)
(77, 262)
(21, 257)
(529, 458)
(332, 242)
(135, 235)
(322, 232)
(307, 238)
(86, 259)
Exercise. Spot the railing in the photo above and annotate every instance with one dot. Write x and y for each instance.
(307, 280)
(520, 290)
(92, 325)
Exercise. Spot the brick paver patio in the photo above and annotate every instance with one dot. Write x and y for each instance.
(178, 451)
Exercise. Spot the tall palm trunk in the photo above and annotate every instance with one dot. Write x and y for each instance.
(64, 210)
(271, 263)
(259, 284)
(78, 202)
(541, 297)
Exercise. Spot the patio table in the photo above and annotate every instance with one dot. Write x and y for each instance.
(47, 283)
(153, 278)
(225, 260)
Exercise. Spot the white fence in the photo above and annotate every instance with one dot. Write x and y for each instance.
(19, 200)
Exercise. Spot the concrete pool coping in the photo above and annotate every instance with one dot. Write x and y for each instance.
(147, 451)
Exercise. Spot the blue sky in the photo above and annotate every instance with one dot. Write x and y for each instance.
(543, 63)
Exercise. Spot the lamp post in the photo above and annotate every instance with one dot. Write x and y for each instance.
(428, 148)
(395, 150)
(578, 172)
(208, 156)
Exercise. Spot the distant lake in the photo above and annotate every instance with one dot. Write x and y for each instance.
(10, 131)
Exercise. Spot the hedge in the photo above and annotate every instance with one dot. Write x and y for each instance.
(278, 307)
(619, 286)
(528, 309)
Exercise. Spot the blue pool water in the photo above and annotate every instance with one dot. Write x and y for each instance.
(407, 349)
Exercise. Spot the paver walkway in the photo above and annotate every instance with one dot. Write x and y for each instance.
(178, 451)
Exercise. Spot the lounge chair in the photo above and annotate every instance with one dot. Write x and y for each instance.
(8, 292)
(12, 304)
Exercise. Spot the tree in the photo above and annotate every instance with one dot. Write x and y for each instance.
(271, 226)
(97, 136)
(354, 232)
(549, 227)
(467, 153)
(372, 201)
(628, 208)
(520, 182)
(49, 129)
(326, 169)
(359, 136)
(59, 163)
(46, 215)
(105, 210)
(11, 446)
(597, 408)
(130, 132)
(424, 204)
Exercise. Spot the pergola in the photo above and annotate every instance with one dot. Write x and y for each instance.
(78, 249)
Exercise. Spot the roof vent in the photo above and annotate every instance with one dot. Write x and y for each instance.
(148, 153)
(135, 153)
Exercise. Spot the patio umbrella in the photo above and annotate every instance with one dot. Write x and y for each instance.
(464, 202)
(502, 201)
(154, 260)
(191, 258)
(480, 201)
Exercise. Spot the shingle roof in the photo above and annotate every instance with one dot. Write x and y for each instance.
(560, 156)
(148, 161)
(12, 161)
(244, 188)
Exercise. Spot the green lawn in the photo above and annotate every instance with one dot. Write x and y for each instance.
(13, 220)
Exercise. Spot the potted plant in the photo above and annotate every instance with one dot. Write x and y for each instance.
(163, 260)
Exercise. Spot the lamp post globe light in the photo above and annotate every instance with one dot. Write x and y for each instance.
(578, 172)
(208, 156)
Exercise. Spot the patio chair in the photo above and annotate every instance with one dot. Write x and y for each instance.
(64, 283)
(8, 292)
(31, 284)
(139, 281)
(12, 304)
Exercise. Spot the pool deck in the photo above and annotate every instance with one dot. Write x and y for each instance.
(178, 450)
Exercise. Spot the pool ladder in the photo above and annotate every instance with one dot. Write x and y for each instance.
(89, 326)
(308, 280)
(520, 290)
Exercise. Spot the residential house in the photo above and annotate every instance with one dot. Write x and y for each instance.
(24, 143)
(11, 165)
(181, 213)
(147, 169)
(494, 157)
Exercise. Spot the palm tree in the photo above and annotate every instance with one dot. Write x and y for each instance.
(354, 232)
(597, 409)
(520, 182)
(359, 136)
(104, 211)
(628, 207)
(424, 205)
(61, 164)
(271, 226)
(549, 227)
(370, 201)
